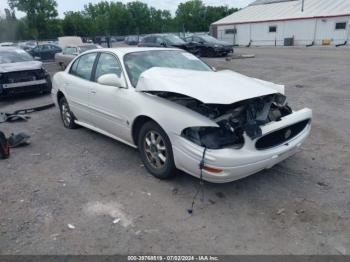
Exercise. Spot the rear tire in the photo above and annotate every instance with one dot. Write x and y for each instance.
(156, 151)
(67, 115)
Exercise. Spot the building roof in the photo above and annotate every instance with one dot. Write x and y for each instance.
(276, 10)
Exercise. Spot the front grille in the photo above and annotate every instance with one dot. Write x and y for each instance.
(23, 76)
(281, 136)
(24, 90)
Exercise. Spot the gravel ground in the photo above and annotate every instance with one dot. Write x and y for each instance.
(85, 180)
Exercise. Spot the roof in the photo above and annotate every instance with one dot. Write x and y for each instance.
(9, 48)
(126, 50)
(276, 10)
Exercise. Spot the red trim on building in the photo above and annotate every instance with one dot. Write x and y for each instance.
(282, 20)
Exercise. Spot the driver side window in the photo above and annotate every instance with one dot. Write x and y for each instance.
(107, 64)
(82, 67)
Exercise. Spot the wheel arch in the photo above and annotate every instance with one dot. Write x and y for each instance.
(59, 95)
(137, 124)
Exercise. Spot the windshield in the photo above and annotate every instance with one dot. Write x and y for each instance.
(14, 56)
(174, 40)
(133, 38)
(210, 39)
(138, 62)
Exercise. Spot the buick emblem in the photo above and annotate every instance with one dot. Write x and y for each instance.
(287, 134)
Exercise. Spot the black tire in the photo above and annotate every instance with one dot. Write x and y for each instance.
(67, 116)
(159, 149)
(211, 52)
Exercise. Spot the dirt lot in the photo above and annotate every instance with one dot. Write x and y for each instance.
(79, 177)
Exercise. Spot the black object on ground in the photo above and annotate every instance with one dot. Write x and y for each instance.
(17, 140)
(4, 147)
(21, 115)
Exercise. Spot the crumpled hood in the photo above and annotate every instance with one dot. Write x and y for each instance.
(223, 87)
(20, 66)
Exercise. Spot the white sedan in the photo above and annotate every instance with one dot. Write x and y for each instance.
(180, 113)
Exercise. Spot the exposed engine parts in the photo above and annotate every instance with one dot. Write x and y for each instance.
(234, 120)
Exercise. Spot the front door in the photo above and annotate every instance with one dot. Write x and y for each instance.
(109, 104)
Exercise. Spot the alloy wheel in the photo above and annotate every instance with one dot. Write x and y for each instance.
(155, 149)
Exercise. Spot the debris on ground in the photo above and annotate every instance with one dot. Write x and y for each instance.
(340, 249)
(22, 114)
(212, 201)
(280, 211)
(116, 221)
(70, 226)
(17, 140)
(322, 184)
(36, 154)
(220, 195)
(299, 211)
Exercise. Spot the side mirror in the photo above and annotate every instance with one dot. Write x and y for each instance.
(163, 44)
(37, 58)
(111, 80)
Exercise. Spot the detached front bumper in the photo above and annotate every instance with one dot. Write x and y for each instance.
(239, 163)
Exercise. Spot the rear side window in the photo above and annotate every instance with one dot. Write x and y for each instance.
(46, 47)
(82, 67)
(107, 64)
(150, 39)
(70, 50)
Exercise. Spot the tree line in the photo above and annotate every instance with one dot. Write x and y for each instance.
(104, 19)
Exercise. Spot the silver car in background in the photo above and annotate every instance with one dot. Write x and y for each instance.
(70, 52)
(180, 113)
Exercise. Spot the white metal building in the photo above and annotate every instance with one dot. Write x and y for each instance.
(304, 22)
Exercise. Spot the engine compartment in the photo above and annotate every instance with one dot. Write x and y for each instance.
(234, 120)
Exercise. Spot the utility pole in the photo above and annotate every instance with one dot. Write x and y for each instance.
(302, 5)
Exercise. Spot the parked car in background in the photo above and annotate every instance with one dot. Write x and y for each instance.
(180, 114)
(70, 52)
(6, 44)
(45, 51)
(20, 73)
(27, 46)
(209, 46)
(166, 40)
(132, 40)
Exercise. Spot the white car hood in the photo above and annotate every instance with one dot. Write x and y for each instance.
(223, 87)
(20, 66)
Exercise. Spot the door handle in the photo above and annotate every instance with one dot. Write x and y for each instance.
(93, 92)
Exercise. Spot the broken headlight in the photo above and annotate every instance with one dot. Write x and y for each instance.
(214, 137)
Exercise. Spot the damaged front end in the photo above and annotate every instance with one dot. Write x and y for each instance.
(235, 120)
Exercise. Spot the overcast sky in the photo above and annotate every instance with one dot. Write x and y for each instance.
(77, 5)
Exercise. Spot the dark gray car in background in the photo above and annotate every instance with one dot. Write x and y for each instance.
(20, 73)
(209, 46)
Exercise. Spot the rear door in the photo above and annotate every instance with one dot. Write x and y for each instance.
(78, 85)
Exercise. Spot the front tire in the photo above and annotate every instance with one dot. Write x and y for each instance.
(66, 115)
(156, 151)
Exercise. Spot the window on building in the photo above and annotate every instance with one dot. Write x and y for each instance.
(273, 29)
(231, 31)
(340, 26)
